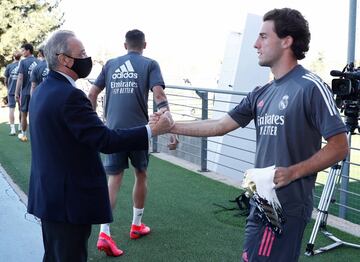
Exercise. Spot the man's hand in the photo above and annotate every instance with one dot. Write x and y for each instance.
(283, 176)
(161, 123)
(154, 118)
(174, 141)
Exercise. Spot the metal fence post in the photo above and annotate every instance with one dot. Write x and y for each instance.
(154, 138)
(344, 183)
(204, 115)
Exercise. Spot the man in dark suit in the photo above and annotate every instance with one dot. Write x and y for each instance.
(68, 188)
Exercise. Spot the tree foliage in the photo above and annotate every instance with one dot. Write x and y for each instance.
(26, 21)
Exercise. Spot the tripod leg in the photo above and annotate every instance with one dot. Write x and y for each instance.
(323, 206)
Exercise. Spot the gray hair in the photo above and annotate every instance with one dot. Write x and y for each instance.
(57, 44)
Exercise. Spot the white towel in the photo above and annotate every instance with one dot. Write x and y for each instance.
(264, 182)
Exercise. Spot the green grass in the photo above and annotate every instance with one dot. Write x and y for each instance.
(352, 199)
(186, 225)
(353, 186)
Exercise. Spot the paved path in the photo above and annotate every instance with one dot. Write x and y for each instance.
(20, 233)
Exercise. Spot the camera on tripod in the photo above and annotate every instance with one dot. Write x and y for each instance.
(346, 89)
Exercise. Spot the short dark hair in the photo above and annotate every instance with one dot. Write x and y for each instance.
(17, 55)
(135, 39)
(28, 47)
(41, 51)
(290, 22)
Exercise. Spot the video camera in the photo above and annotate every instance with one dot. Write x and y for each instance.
(346, 89)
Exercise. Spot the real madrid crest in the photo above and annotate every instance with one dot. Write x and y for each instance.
(284, 102)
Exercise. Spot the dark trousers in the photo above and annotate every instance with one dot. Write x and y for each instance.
(64, 242)
(262, 245)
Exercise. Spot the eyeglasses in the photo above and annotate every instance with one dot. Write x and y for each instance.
(70, 56)
(65, 55)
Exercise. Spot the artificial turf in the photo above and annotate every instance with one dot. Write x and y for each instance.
(181, 209)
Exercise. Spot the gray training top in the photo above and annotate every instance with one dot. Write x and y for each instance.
(11, 73)
(40, 72)
(128, 80)
(25, 68)
(291, 116)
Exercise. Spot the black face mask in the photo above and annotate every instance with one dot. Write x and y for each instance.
(82, 66)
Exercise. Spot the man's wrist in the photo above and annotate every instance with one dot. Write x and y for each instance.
(163, 104)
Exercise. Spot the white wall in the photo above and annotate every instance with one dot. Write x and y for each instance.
(240, 72)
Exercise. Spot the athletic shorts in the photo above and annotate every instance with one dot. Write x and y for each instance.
(261, 244)
(24, 103)
(117, 162)
(11, 101)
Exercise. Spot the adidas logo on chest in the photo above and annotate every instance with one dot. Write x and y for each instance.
(126, 70)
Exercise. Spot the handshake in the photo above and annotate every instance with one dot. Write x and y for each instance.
(161, 122)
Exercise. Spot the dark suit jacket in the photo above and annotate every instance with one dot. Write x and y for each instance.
(67, 181)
